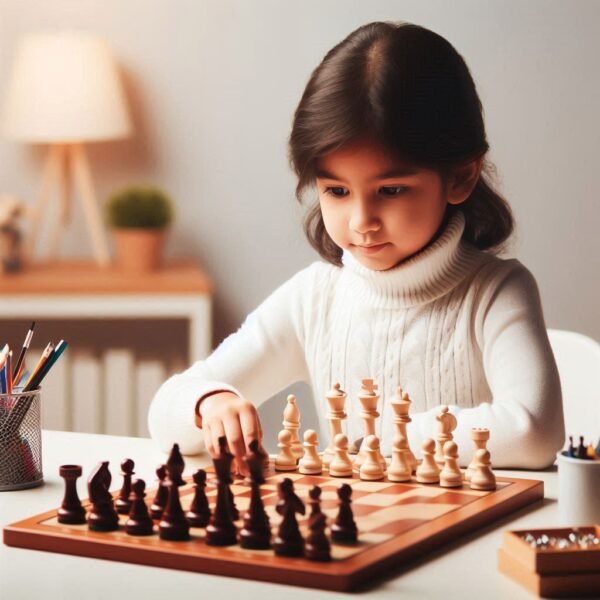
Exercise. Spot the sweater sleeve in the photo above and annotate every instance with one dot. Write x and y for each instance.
(264, 356)
(525, 415)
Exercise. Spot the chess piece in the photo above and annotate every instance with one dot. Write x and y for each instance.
(428, 471)
(122, 503)
(173, 525)
(162, 493)
(317, 546)
(480, 437)
(340, 465)
(451, 475)
(291, 422)
(581, 449)
(310, 463)
(103, 516)
(221, 530)
(288, 541)
(368, 400)
(401, 405)
(446, 425)
(199, 513)
(400, 469)
(139, 521)
(71, 511)
(343, 529)
(336, 399)
(371, 469)
(285, 460)
(571, 451)
(256, 532)
(483, 477)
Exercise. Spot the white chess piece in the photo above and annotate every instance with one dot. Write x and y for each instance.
(400, 469)
(336, 398)
(480, 437)
(368, 399)
(291, 422)
(371, 469)
(428, 471)
(401, 405)
(483, 477)
(285, 460)
(340, 465)
(451, 475)
(446, 425)
(310, 463)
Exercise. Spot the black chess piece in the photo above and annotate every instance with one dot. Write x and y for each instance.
(343, 529)
(199, 513)
(221, 529)
(139, 521)
(103, 516)
(317, 546)
(289, 541)
(123, 503)
(71, 510)
(571, 449)
(256, 533)
(162, 493)
(581, 449)
(173, 525)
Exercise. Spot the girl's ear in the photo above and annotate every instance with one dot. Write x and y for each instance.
(462, 181)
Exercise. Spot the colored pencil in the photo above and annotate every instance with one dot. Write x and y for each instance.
(45, 354)
(9, 380)
(23, 352)
(54, 356)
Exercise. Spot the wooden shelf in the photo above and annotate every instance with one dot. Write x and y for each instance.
(87, 278)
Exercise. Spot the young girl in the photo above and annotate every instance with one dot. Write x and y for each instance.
(390, 132)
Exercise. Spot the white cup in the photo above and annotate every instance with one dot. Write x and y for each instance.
(578, 491)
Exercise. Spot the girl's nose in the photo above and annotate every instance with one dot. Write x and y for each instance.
(363, 219)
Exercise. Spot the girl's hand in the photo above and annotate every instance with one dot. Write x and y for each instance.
(225, 414)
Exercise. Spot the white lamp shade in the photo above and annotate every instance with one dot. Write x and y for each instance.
(64, 87)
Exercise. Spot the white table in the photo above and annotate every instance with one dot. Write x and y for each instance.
(463, 569)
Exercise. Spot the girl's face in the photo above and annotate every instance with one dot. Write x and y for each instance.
(380, 210)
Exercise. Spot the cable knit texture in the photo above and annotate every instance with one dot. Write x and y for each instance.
(451, 325)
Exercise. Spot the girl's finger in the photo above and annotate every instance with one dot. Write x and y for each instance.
(235, 437)
(250, 425)
(208, 439)
(216, 431)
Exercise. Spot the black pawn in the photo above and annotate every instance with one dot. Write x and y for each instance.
(221, 529)
(317, 546)
(289, 541)
(71, 511)
(162, 494)
(343, 529)
(571, 449)
(256, 533)
(581, 449)
(123, 503)
(199, 513)
(103, 516)
(173, 524)
(139, 521)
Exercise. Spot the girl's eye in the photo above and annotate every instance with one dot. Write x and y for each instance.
(393, 190)
(338, 192)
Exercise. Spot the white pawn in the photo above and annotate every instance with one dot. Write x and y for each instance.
(400, 468)
(285, 460)
(340, 465)
(483, 477)
(310, 463)
(428, 471)
(451, 475)
(371, 469)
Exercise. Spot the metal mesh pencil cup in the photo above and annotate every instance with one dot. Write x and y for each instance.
(20, 441)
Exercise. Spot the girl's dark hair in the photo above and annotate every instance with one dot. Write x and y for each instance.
(408, 88)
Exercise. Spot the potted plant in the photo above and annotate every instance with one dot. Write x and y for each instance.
(139, 216)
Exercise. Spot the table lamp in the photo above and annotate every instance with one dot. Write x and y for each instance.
(64, 90)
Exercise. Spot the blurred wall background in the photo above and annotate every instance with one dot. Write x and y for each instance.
(212, 85)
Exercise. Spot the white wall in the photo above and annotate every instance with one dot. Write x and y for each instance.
(213, 85)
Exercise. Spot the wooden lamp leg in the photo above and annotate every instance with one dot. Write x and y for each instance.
(64, 193)
(83, 178)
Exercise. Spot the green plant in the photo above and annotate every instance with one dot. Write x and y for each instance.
(143, 207)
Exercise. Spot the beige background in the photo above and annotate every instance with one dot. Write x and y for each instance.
(213, 84)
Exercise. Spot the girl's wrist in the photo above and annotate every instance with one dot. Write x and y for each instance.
(198, 413)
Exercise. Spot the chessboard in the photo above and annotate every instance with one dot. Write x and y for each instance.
(397, 522)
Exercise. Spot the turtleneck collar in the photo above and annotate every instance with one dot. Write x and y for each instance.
(423, 277)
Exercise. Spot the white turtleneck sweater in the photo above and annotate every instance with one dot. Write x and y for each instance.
(451, 325)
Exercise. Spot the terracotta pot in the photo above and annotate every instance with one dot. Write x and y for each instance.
(138, 250)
